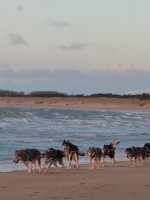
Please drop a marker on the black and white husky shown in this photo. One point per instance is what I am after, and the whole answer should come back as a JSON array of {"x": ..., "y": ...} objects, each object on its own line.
[
  {"x": 147, "y": 149},
  {"x": 28, "y": 156},
  {"x": 94, "y": 156},
  {"x": 136, "y": 154},
  {"x": 71, "y": 152},
  {"x": 52, "y": 156},
  {"x": 108, "y": 150}
]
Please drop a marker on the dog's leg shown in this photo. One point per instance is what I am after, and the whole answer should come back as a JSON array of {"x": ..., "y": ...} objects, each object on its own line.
[
  {"x": 98, "y": 163},
  {"x": 90, "y": 163},
  {"x": 47, "y": 166},
  {"x": 29, "y": 168},
  {"x": 34, "y": 165},
  {"x": 34, "y": 168},
  {"x": 55, "y": 163},
  {"x": 138, "y": 161},
  {"x": 93, "y": 163},
  {"x": 60, "y": 161},
  {"x": 69, "y": 165},
  {"x": 39, "y": 164},
  {"x": 76, "y": 160},
  {"x": 134, "y": 160},
  {"x": 69, "y": 161},
  {"x": 103, "y": 164},
  {"x": 44, "y": 167},
  {"x": 145, "y": 161},
  {"x": 113, "y": 162},
  {"x": 130, "y": 161}
]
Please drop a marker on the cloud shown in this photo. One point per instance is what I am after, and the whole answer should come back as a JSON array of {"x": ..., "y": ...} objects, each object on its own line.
[
  {"x": 16, "y": 39},
  {"x": 121, "y": 67},
  {"x": 74, "y": 46},
  {"x": 56, "y": 23}
]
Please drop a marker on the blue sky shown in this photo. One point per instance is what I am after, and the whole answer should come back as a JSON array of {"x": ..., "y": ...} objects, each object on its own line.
[{"x": 75, "y": 46}]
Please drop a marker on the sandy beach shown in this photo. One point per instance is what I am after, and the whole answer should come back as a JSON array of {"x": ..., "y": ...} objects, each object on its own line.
[
  {"x": 108, "y": 183},
  {"x": 100, "y": 103}
]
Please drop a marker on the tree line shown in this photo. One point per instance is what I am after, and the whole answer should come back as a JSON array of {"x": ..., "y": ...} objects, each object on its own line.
[{"x": 47, "y": 94}]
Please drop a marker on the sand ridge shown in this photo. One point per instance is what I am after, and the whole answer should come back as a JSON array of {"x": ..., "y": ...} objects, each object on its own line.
[{"x": 99, "y": 103}]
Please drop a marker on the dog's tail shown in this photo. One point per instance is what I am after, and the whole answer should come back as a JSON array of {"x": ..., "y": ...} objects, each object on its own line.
[
  {"x": 81, "y": 154},
  {"x": 114, "y": 143}
]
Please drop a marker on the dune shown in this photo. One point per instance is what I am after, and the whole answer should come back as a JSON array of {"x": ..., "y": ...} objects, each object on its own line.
[{"x": 99, "y": 103}]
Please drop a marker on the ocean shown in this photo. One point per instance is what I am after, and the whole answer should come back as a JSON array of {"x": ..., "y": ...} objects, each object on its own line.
[{"x": 42, "y": 128}]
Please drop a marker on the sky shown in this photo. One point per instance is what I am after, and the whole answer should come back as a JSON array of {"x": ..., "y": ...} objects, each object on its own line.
[{"x": 75, "y": 46}]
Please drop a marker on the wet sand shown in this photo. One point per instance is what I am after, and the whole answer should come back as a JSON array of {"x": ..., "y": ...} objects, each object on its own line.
[{"x": 108, "y": 183}]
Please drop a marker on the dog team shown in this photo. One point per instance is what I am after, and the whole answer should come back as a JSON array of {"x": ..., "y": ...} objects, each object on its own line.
[{"x": 71, "y": 152}]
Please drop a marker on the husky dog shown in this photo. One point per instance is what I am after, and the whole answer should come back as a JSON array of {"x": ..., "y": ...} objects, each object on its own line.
[
  {"x": 71, "y": 151},
  {"x": 94, "y": 154},
  {"x": 109, "y": 150},
  {"x": 147, "y": 149},
  {"x": 135, "y": 153},
  {"x": 52, "y": 156},
  {"x": 28, "y": 156}
]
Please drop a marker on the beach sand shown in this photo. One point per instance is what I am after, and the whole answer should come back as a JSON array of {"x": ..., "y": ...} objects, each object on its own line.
[
  {"x": 99, "y": 103},
  {"x": 109, "y": 183}
]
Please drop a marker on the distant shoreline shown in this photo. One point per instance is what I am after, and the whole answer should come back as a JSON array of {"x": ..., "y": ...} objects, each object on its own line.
[{"x": 96, "y": 103}]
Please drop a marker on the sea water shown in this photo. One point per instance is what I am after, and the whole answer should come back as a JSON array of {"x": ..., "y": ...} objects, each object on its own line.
[{"x": 42, "y": 128}]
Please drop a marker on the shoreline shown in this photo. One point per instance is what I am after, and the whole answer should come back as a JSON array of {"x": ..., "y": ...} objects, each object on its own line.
[
  {"x": 20, "y": 167},
  {"x": 122, "y": 182},
  {"x": 85, "y": 165},
  {"x": 94, "y": 103}
]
